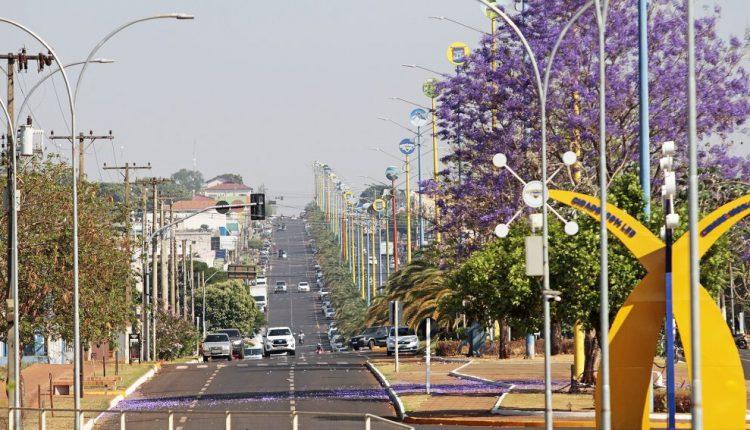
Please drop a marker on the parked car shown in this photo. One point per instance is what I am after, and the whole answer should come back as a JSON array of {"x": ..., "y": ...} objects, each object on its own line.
[
  {"x": 216, "y": 345},
  {"x": 337, "y": 343},
  {"x": 407, "y": 340},
  {"x": 253, "y": 352},
  {"x": 322, "y": 295},
  {"x": 238, "y": 342},
  {"x": 280, "y": 287},
  {"x": 330, "y": 313},
  {"x": 303, "y": 287},
  {"x": 279, "y": 339},
  {"x": 370, "y": 338}
]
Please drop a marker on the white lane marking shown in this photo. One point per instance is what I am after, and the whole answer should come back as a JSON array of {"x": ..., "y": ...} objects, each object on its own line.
[
  {"x": 242, "y": 365},
  {"x": 181, "y": 367},
  {"x": 178, "y": 428},
  {"x": 322, "y": 363},
  {"x": 344, "y": 363},
  {"x": 201, "y": 366},
  {"x": 262, "y": 364},
  {"x": 182, "y": 420}
]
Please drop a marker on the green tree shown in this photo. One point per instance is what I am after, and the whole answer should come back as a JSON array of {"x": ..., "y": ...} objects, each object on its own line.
[
  {"x": 190, "y": 180},
  {"x": 45, "y": 256},
  {"x": 229, "y": 305},
  {"x": 231, "y": 177}
]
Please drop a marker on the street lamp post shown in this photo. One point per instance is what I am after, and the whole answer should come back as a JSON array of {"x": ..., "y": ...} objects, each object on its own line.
[
  {"x": 392, "y": 174},
  {"x": 542, "y": 89},
  {"x": 15, "y": 369}
]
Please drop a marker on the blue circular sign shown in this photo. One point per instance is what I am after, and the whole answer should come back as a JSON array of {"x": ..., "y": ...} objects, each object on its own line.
[
  {"x": 406, "y": 146},
  {"x": 418, "y": 117}
]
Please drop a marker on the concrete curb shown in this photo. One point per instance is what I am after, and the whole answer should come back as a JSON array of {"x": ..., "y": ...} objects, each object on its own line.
[
  {"x": 89, "y": 425},
  {"x": 457, "y": 374},
  {"x": 450, "y": 360},
  {"x": 494, "y": 423},
  {"x": 395, "y": 399}
]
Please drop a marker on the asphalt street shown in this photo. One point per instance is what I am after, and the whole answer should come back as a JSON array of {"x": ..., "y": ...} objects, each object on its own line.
[{"x": 307, "y": 382}]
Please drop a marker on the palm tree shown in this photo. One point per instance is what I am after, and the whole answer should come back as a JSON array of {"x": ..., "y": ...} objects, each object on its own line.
[{"x": 421, "y": 287}]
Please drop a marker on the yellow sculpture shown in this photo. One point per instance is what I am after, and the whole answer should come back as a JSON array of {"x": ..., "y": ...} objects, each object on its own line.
[{"x": 636, "y": 327}]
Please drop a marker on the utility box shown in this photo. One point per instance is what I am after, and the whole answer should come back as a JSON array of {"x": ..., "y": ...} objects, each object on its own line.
[{"x": 534, "y": 256}]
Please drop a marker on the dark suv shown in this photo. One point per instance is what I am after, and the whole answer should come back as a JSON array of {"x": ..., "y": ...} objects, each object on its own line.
[
  {"x": 238, "y": 341},
  {"x": 369, "y": 338}
]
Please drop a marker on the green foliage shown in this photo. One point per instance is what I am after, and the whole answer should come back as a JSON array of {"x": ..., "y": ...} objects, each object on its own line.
[
  {"x": 45, "y": 256},
  {"x": 190, "y": 180},
  {"x": 231, "y": 177},
  {"x": 176, "y": 337},
  {"x": 229, "y": 305},
  {"x": 255, "y": 243},
  {"x": 346, "y": 299},
  {"x": 211, "y": 274}
]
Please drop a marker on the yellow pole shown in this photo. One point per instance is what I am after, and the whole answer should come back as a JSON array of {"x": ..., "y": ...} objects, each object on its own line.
[
  {"x": 373, "y": 261},
  {"x": 408, "y": 211},
  {"x": 578, "y": 347},
  {"x": 352, "y": 254},
  {"x": 361, "y": 259},
  {"x": 435, "y": 167}
]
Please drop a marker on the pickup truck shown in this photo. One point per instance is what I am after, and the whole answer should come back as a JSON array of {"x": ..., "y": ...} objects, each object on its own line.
[
  {"x": 238, "y": 341},
  {"x": 216, "y": 345}
]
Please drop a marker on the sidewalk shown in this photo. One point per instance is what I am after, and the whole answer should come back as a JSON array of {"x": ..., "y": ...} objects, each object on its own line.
[
  {"x": 492, "y": 392},
  {"x": 37, "y": 375}
]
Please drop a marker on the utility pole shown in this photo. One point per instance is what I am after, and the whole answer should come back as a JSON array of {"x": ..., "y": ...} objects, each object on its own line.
[
  {"x": 184, "y": 279},
  {"x": 163, "y": 263},
  {"x": 172, "y": 266},
  {"x": 13, "y": 385},
  {"x": 150, "y": 293},
  {"x": 192, "y": 285},
  {"x": 82, "y": 138},
  {"x": 144, "y": 275},
  {"x": 126, "y": 176}
]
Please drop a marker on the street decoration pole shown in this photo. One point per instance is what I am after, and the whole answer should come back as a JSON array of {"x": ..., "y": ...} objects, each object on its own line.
[
  {"x": 645, "y": 144},
  {"x": 693, "y": 211},
  {"x": 392, "y": 174},
  {"x": 542, "y": 89}
]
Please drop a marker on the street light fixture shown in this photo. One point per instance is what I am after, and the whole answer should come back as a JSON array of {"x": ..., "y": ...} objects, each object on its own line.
[
  {"x": 426, "y": 69},
  {"x": 467, "y": 26}
]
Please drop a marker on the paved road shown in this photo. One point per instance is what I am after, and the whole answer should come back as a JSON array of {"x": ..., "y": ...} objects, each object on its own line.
[{"x": 306, "y": 382}]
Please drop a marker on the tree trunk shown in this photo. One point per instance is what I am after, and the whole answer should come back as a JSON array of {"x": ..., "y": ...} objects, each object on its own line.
[
  {"x": 504, "y": 339},
  {"x": 591, "y": 347},
  {"x": 557, "y": 338}
]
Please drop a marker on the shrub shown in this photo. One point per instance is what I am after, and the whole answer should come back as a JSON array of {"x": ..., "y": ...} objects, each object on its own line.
[
  {"x": 448, "y": 348},
  {"x": 175, "y": 336},
  {"x": 682, "y": 400}
]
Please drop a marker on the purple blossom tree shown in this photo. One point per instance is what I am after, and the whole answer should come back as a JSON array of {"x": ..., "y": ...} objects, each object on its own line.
[{"x": 491, "y": 106}]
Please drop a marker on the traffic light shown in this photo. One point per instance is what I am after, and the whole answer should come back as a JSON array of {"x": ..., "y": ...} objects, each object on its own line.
[{"x": 258, "y": 208}]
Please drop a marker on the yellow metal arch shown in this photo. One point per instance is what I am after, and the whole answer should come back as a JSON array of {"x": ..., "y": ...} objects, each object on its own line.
[{"x": 636, "y": 327}]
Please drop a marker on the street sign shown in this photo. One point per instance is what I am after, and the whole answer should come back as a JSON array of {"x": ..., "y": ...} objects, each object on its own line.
[
  {"x": 406, "y": 146},
  {"x": 378, "y": 205},
  {"x": 418, "y": 117},
  {"x": 457, "y": 53},
  {"x": 429, "y": 88},
  {"x": 241, "y": 271}
]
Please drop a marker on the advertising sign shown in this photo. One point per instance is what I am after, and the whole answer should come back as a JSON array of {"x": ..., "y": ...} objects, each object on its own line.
[
  {"x": 228, "y": 242},
  {"x": 429, "y": 88},
  {"x": 418, "y": 117},
  {"x": 406, "y": 146},
  {"x": 457, "y": 53}
]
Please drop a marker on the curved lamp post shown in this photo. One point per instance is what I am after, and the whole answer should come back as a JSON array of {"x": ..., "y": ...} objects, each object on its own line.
[
  {"x": 14, "y": 252},
  {"x": 542, "y": 87},
  {"x": 52, "y": 73}
]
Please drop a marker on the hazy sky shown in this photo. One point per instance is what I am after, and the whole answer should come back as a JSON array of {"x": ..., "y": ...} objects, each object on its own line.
[{"x": 261, "y": 88}]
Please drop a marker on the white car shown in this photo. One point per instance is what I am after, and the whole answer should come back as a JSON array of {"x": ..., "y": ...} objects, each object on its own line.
[
  {"x": 280, "y": 287},
  {"x": 303, "y": 287},
  {"x": 407, "y": 341},
  {"x": 279, "y": 339}
]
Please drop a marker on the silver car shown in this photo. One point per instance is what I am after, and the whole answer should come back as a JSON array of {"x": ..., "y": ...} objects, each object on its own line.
[{"x": 216, "y": 345}]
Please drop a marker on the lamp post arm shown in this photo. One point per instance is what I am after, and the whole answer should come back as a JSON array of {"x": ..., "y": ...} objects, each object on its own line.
[
  {"x": 206, "y": 209},
  {"x": 560, "y": 38},
  {"x": 44, "y": 79},
  {"x": 112, "y": 34}
]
